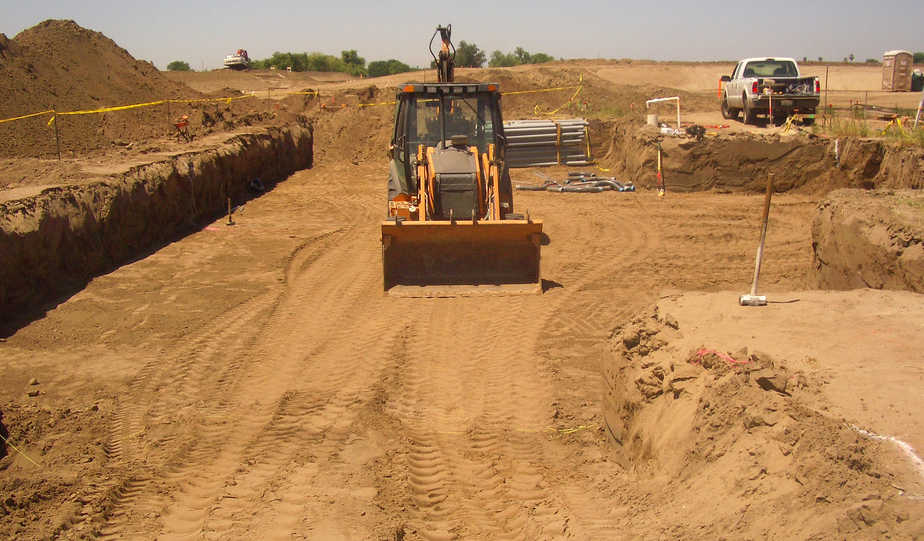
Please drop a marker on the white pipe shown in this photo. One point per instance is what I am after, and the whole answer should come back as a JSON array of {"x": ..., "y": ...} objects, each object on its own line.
[
  {"x": 917, "y": 116},
  {"x": 657, "y": 100}
]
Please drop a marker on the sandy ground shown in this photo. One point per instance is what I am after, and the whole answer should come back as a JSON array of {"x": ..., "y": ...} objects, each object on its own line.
[
  {"x": 874, "y": 383},
  {"x": 252, "y": 381}
]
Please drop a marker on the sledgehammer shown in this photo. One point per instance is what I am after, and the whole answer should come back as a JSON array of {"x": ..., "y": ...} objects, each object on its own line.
[{"x": 753, "y": 299}]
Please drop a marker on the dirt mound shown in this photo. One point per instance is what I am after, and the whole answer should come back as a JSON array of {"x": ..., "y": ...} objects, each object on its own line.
[
  {"x": 58, "y": 64},
  {"x": 869, "y": 239},
  {"x": 748, "y": 429}
]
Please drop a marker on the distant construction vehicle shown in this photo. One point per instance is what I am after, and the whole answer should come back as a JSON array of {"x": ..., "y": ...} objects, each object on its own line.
[
  {"x": 451, "y": 227},
  {"x": 237, "y": 61}
]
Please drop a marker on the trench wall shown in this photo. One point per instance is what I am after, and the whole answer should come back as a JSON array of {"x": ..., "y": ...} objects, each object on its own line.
[
  {"x": 51, "y": 244},
  {"x": 871, "y": 239},
  {"x": 741, "y": 162}
]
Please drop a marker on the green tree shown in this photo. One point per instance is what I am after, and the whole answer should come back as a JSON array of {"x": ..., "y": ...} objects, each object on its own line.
[
  {"x": 918, "y": 57},
  {"x": 501, "y": 60},
  {"x": 872, "y": 61},
  {"x": 522, "y": 55},
  {"x": 348, "y": 62},
  {"x": 517, "y": 57},
  {"x": 468, "y": 55},
  {"x": 379, "y": 68},
  {"x": 851, "y": 57},
  {"x": 178, "y": 65},
  {"x": 355, "y": 64}
]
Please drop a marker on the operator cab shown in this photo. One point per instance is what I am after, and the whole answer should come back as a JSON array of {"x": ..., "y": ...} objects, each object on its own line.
[{"x": 436, "y": 114}]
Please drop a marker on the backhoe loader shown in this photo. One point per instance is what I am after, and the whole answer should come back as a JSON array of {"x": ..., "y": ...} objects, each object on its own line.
[{"x": 451, "y": 227}]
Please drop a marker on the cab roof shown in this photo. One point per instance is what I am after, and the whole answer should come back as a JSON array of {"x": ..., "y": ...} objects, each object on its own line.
[{"x": 448, "y": 88}]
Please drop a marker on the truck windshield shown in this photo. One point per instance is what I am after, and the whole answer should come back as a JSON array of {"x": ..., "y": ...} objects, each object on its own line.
[{"x": 771, "y": 68}]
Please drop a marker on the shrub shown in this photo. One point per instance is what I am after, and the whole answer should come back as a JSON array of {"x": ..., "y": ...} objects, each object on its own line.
[
  {"x": 517, "y": 57},
  {"x": 379, "y": 68}
]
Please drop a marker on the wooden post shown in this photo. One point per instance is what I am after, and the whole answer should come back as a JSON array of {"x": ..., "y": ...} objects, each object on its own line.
[
  {"x": 230, "y": 221},
  {"x": 825, "y": 120},
  {"x": 57, "y": 137}
]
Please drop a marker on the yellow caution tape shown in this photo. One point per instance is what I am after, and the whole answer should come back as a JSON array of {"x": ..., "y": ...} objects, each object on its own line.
[
  {"x": 571, "y": 430},
  {"x": 203, "y": 100},
  {"x": 117, "y": 108},
  {"x": 229, "y": 99},
  {"x": 6, "y": 441},
  {"x": 556, "y": 89},
  {"x": 580, "y": 87},
  {"x": 48, "y": 112},
  {"x": 375, "y": 104}
]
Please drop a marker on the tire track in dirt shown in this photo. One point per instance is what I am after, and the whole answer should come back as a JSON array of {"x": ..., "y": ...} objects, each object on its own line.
[
  {"x": 569, "y": 335},
  {"x": 339, "y": 380},
  {"x": 474, "y": 404},
  {"x": 341, "y": 359},
  {"x": 159, "y": 395},
  {"x": 203, "y": 385},
  {"x": 193, "y": 385}
]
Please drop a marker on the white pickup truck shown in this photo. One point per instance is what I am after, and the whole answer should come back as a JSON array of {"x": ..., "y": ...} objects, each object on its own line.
[{"x": 769, "y": 86}]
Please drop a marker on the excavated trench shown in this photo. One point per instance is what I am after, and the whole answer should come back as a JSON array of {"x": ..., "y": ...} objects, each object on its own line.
[
  {"x": 53, "y": 243},
  {"x": 740, "y": 162},
  {"x": 868, "y": 231}
]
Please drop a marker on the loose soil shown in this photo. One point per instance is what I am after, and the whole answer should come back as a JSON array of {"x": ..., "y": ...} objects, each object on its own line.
[
  {"x": 870, "y": 239},
  {"x": 252, "y": 381}
]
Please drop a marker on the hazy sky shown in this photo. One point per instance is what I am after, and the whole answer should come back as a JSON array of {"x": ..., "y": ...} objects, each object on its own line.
[{"x": 203, "y": 32}]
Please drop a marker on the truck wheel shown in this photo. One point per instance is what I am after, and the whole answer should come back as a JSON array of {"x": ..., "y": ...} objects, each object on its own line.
[
  {"x": 749, "y": 115},
  {"x": 728, "y": 112}
]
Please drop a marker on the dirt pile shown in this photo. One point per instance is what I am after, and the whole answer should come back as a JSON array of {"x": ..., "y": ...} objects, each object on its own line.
[
  {"x": 58, "y": 64},
  {"x": 869, "y": 239},
  {"x": 742, "y": 427}
]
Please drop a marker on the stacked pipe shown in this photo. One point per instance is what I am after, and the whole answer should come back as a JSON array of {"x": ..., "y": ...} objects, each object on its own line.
[
  {"x": 579, "y": 182},
  {"x": 533, "y": 143}
]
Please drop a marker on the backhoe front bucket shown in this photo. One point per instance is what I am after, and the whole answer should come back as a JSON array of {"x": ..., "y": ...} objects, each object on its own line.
[{"x": 461, "y": 258}]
